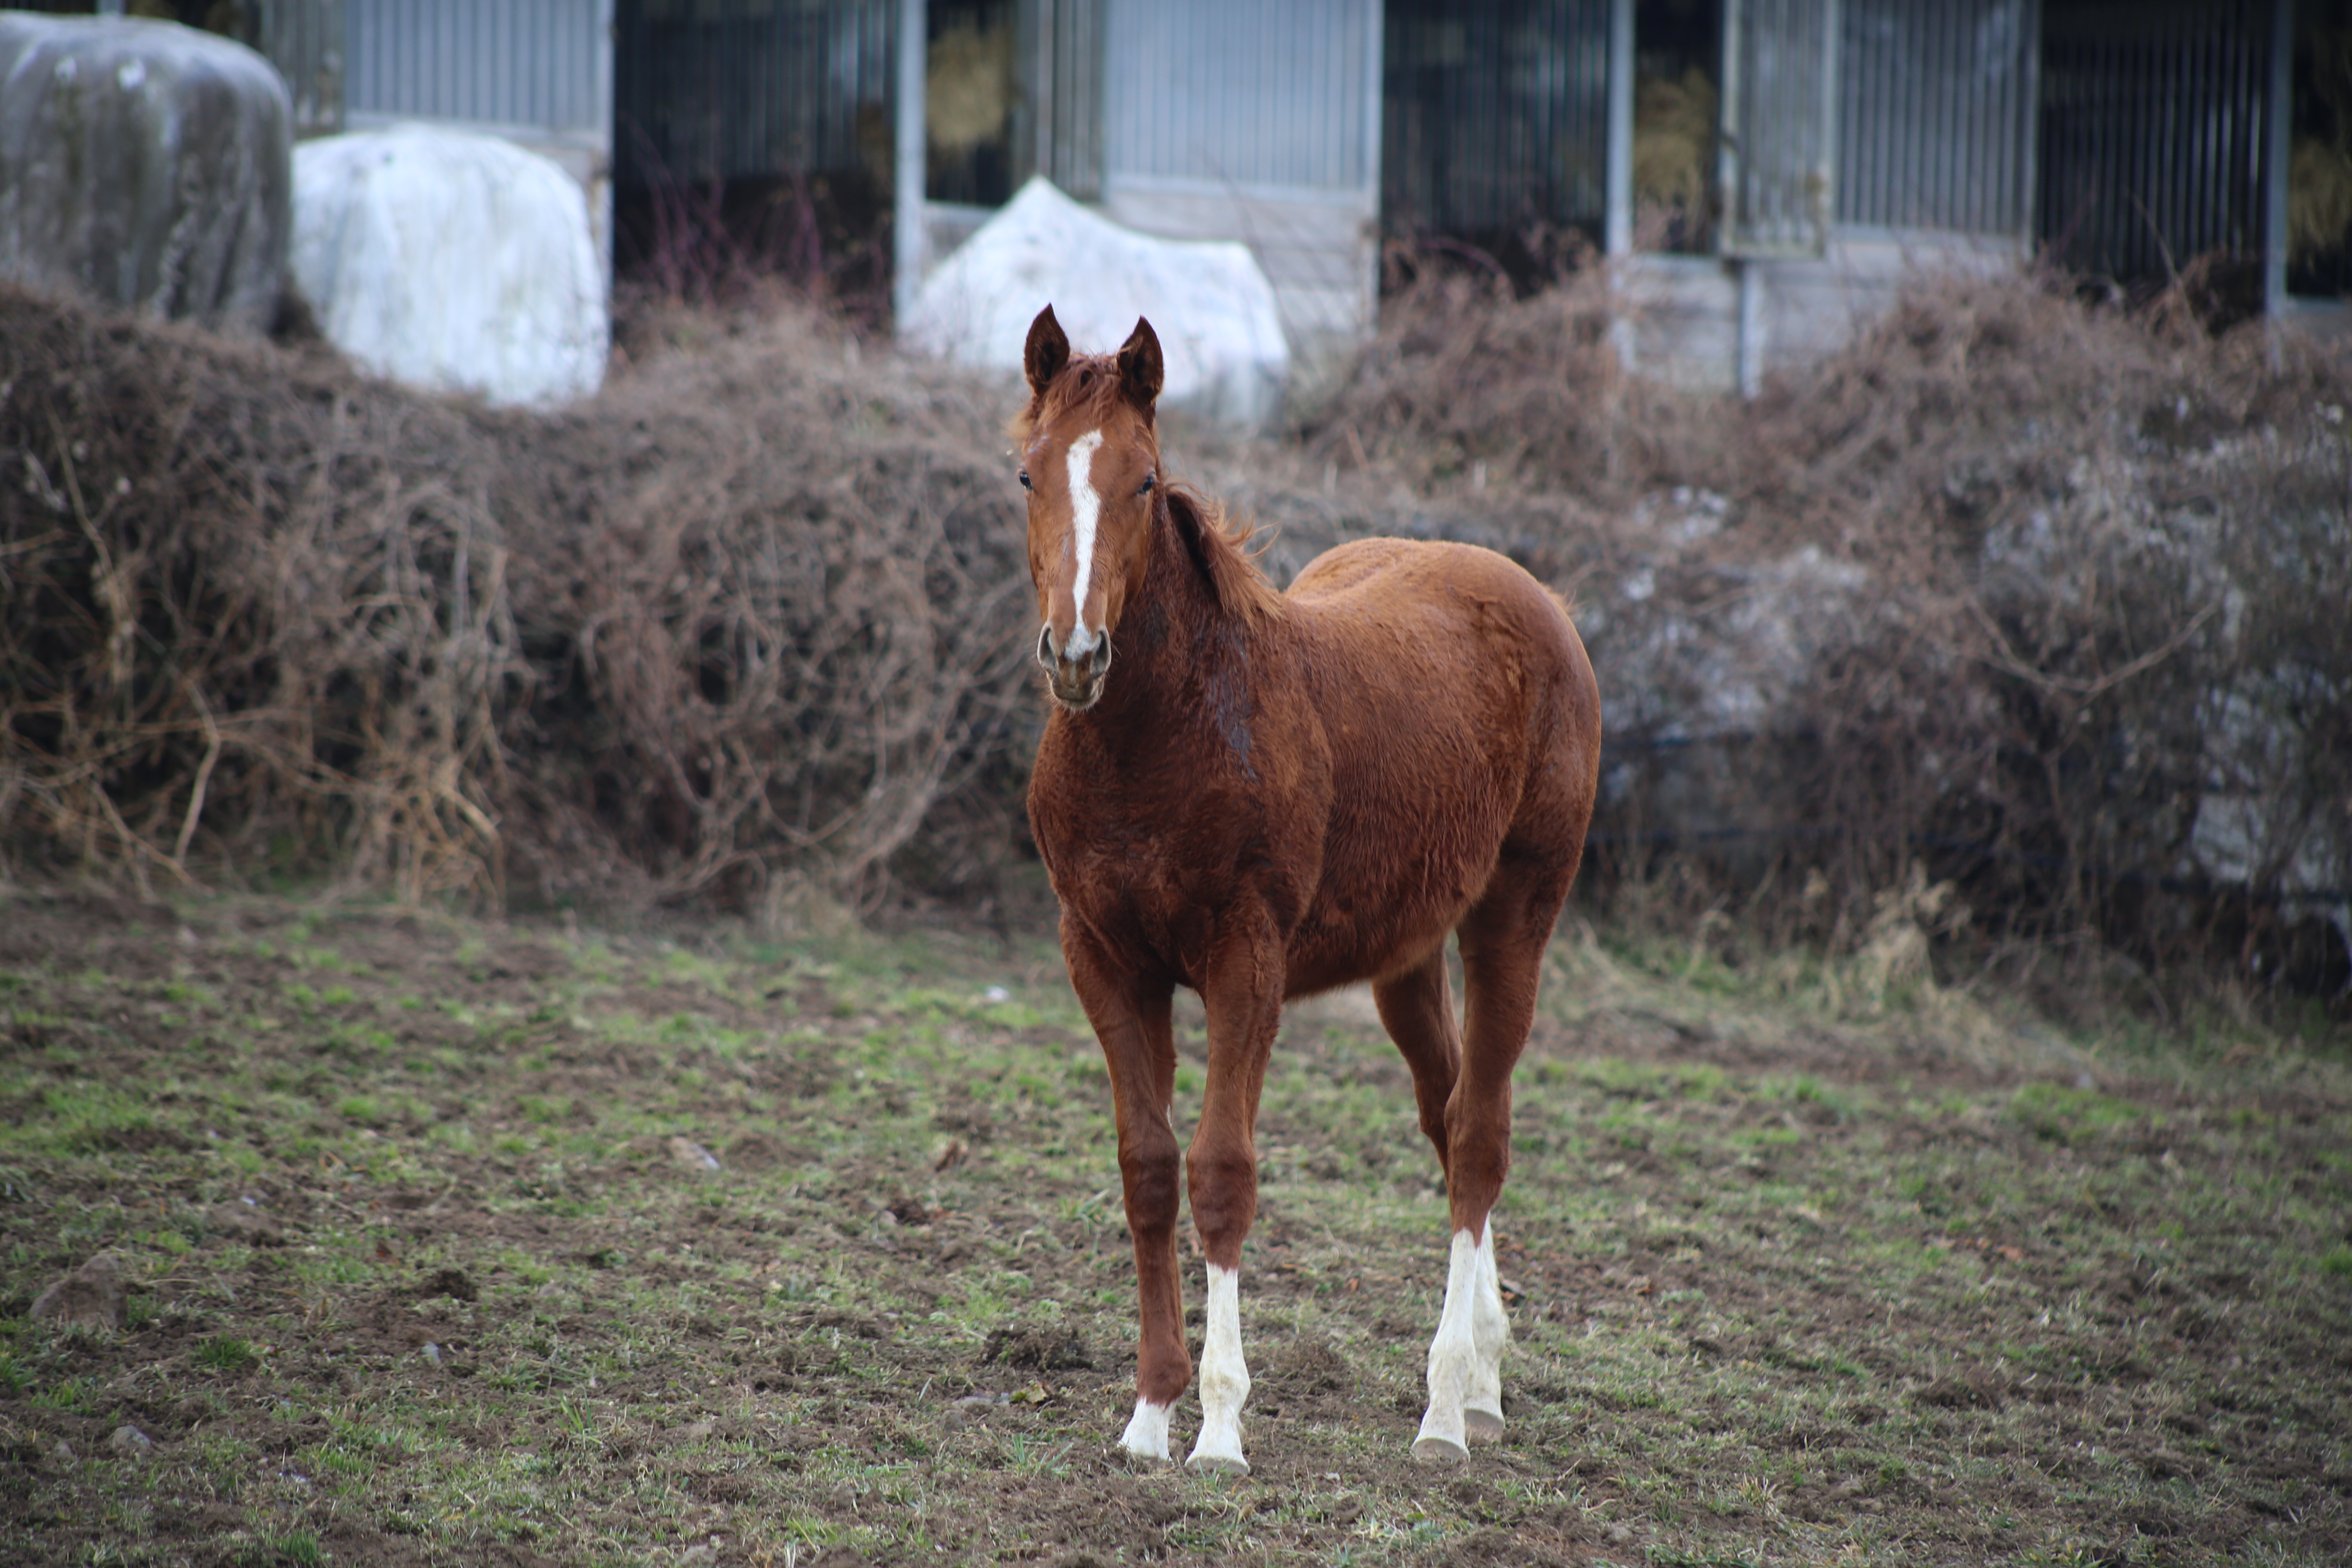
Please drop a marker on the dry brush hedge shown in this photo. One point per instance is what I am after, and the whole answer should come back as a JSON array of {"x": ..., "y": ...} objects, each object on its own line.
[
  {"x": 2052, "y": 599},
  {"x": 755, "y": 610},
  {"x": 2057, "y": 599}
]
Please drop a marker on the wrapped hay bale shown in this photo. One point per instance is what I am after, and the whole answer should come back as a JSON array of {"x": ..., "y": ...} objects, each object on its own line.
[
  {"x": 145, "y": 164},
  {"x": 1210, "y": 303},
  {"x": 451, "y": 261}
]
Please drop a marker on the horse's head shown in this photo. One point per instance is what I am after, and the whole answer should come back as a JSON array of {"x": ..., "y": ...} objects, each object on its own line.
[{"x": 1090, "y": 461}]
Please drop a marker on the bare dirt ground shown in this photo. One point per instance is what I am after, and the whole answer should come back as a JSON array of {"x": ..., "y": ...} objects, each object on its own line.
[{"x": 439, "y": 1241}]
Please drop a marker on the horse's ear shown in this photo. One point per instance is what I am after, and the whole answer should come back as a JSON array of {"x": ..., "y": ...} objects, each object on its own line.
[
  {"x": 1047, "y": 353},
  {"x": 1138, "y": 365}
]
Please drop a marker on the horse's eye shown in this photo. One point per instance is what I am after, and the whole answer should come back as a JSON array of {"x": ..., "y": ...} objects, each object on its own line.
[
  {"x": 1145, "y": 488},
  {"x": 1024, "y": 479}
]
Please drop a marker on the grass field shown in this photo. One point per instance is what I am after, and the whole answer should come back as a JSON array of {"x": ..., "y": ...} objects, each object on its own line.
[{"x": 439, "y": 1241}]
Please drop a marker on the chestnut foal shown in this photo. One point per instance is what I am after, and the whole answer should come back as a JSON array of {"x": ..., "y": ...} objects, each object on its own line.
[{"x": 1263, "y": 795}]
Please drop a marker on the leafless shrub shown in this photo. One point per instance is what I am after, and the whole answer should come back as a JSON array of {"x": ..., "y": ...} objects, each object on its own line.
[
  {"x": 2115, "y": 693},
  {"x": 1466, "y": 379},
  {"x": 791, "y": 589},
  {"x": 243, "y": 590},
  {"x": 753, "y": 609},
  {"x": 2048, "y": 597}
]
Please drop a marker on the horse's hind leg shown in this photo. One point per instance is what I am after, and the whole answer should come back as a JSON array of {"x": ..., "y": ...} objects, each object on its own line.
[
  {"x": 1418, "y": 1012},
  {"x": 1503, "y": 939},
  {"x": 1419, "y": 1015}
]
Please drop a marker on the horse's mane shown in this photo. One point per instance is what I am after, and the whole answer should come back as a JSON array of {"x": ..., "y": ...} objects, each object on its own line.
[{"x": 1218, "y": 543}]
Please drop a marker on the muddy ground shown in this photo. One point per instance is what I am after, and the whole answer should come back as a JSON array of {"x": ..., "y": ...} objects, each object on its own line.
[{"x": 440, "y": 1241}]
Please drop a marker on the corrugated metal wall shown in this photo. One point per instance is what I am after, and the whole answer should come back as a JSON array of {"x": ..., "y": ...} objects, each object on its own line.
[
  {"x": 2152, "y": 132},
  {"x": 1779, "y": 97},
  {"x": 1494, "y": 115},
  {"x": 517, "y": 62},
  {"x": 1239, "y": 92},
  {"x": 304, "y": 39},
  {"x": 1061, "y": 117},
  {"x": 751, "y": 88},
  {"x": 1937, "y": 109}
]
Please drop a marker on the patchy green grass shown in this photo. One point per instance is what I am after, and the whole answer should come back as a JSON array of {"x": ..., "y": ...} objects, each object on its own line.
[{"x": 449, "y": 1242}]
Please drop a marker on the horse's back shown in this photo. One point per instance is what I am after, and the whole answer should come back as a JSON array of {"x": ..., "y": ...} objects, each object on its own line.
[
  {"x": 1466, "y": 624},
  {"x": 1418, "y": 585}
]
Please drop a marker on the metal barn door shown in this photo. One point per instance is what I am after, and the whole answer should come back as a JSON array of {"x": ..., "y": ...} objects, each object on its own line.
[
  {"x": 1779, "y": 126},
  {"x": 1061, "y": 86}
]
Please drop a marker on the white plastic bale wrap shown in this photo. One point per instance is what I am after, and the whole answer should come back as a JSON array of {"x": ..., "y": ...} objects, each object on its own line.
[
  {"x": 1209, "y": 301},
  {"x": 451, "y": 261},
  {"x": 145, "y": 164}
]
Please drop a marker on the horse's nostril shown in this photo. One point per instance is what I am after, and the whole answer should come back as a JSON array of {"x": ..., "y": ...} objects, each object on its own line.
[{"x": 1046, "y": 644}]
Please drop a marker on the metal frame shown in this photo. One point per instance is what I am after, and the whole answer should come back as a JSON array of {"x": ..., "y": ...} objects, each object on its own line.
[
  {"x": 2277, "y": 125},
  {"x": 1736, "y": 237},
  {"x": 1617, "y": 223},
  {"x": 909, "y": 226}
]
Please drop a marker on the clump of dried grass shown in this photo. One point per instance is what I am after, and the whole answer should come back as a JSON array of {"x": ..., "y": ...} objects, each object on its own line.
[
  {"x": 1675, "y": 120},
  {"x": 752, "y": 611},
  {"x": 968, "y": 87}
]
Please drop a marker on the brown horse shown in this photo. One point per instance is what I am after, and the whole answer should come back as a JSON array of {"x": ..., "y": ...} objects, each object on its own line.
[{"x": 1264, "y": 795}]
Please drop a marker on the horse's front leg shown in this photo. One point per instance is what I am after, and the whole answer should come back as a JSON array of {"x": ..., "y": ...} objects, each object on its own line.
[
  {"x": 1242, "y": 996},
  {"x": 1131, "y": 1020}
]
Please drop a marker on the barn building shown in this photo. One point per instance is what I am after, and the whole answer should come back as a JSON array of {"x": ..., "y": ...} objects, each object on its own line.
[
  {"x": 1765, "y": 172},
  {"x": 1769, "y": 171}
]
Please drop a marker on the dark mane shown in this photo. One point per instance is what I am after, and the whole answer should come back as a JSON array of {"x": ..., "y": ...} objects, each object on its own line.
[{"x": 1219, "y": 545}]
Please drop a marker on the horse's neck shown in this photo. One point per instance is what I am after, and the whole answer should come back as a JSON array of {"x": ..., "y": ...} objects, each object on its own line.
[{"x": 1180, "y": 653}]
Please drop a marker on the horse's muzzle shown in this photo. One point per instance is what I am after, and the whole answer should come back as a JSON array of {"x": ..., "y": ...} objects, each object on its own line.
[{"x": 1077, "y": 682}]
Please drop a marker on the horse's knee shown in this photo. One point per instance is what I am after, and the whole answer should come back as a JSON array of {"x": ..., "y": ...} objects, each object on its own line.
[
  {"x": 1482, "y": 1164},
  {"x": 1149, "y": 1173},
  {"x": 1224, "y": 1202}
]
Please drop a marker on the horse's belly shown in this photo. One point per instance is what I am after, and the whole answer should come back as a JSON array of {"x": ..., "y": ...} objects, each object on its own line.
[
  {"x": 1371, "y": 919},
  {"x": 1329, "y": 956}
]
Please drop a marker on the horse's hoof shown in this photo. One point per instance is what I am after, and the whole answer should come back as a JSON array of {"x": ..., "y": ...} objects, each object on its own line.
[
  {"x": 1146, "y": 1438},
  {"x": 1217, "y": 1464},
  {"x": 1439, "y": 1452},
  {"x": 1482, "y": 1425}
]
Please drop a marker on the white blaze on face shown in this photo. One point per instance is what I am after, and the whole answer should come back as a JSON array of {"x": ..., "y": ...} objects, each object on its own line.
[{"x": 1086, "y": 513}]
